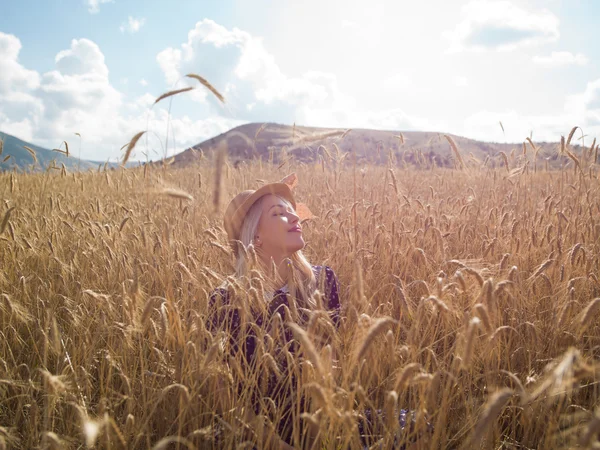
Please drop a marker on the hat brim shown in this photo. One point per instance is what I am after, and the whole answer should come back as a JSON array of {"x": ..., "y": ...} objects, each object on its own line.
[{"x": 279, "y": 189}]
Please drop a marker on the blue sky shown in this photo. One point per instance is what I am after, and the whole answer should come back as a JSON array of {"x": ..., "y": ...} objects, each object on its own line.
[{"x": 95, "y": 67}]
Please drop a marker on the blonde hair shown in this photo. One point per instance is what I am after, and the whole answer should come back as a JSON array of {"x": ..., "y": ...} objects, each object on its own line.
[{"x": 301, "y": 278}]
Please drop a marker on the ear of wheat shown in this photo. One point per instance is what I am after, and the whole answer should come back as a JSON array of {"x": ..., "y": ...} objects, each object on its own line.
[
  {"x": 131, "y": 146},
  {"x": 172, "y": 93},
  {"x": 455, "y": 150},
  {"x": 207, "y": 85}
]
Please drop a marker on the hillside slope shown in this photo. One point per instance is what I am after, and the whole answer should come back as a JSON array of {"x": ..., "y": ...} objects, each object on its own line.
[
  {"x": 277, "y": 142},
  {"x": 21, "y": 159}
]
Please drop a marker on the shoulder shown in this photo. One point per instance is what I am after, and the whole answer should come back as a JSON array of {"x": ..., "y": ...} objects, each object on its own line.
[
  {"x": 220, "y": 293},
  {"x": 324, "y": 271}
]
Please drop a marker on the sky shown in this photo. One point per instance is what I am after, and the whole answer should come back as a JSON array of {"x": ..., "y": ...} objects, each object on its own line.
[{"x": 95, "y": 67}]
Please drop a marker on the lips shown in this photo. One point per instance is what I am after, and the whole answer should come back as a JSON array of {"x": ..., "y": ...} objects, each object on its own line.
[{"x": 296, "y": 229}]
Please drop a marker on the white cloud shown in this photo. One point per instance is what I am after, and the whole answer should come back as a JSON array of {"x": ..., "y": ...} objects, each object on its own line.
[
  {"x": 397, "y": 82},
  {"x": 132, "y": 25},
  {"x": 561, "y": 59},
  {"x": 144, "y": 101},
  {"x": 23, "y": 129},
  {"x": 83, "y": 58},
  {"x": 501, "y": 25},
  {"x": 461, "y": 81},
  {"x": 18, "y": 105},
  {"x": 77, "y": 96},
  {"x": 94, "y": 5},
  {"x": 485, "y": 125},
  {"x": 256, "y": 89},
  {"x": 238, "y": 65},
  {"x": 143, "y": 82},
  {"x": 582, "y": 109},
  {"x": 348, "y": 24},
  {"x": 13, "y": 76}
]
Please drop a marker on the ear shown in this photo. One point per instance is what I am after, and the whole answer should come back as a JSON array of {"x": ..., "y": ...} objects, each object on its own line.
[{"x": 291, "y": 180}]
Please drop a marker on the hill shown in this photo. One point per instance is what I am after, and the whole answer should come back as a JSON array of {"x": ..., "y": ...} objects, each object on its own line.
[
  {"x": 278, "y": 142},
  {"x": 14, "y": 155}
]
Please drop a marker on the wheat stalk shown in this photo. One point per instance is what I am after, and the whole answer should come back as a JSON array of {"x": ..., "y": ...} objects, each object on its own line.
[
  {"x": 172, "y": 93},
  {"x": 131, "y": 146},
  {"x": 377, "y": 328},
  {"x": 455, "y": 150},
  {"x": 490, "y": 413},
  {"x": 32, "y": 153},
  {"x": 207, "y": 85}
]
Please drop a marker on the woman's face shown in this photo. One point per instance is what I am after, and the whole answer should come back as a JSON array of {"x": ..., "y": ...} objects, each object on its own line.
[{"x": 279, "y": 231}]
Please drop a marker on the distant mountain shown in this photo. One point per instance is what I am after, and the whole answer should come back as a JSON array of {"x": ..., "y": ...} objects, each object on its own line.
[
  {"x": 17, "y": 156},
  {"x": 277, "y": 142}
]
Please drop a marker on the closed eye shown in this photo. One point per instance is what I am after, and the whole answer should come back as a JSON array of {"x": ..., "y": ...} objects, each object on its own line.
[{"x": 280, "y": 209}]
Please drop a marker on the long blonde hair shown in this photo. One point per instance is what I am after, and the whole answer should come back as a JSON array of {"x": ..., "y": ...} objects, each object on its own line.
[{"x": 301, "y": 276}]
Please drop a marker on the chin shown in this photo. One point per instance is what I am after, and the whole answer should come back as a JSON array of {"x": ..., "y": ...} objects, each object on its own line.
[{"x": 296, "y": 245}]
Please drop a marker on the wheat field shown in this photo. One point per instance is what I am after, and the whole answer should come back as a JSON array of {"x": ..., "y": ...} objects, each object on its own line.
[{"x": 469, "y": 296}]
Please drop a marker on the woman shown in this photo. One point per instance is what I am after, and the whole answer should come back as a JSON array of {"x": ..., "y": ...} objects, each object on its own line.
[{"x": 265, "y": 231}]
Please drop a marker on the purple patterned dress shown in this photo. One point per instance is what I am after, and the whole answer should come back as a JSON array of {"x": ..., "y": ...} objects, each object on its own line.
[{"x": 280, "y": 388}]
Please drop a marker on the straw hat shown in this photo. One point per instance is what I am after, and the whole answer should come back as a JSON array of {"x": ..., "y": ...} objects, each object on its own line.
[{"x": 241, "y": 204}]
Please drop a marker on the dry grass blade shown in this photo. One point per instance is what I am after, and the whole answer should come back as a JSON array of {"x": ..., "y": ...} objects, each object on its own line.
[
  {"x": 5, "y": 219},
  {"x": 542, "y": 267},
  {"x": 172, "y": 93},
  {"x": 206, "y": 84},
  {"x": 260, "y": 130},
  {"x": 308, "y": 346},
  {"x": 123, "y": 222},
  {"x": 439, "y": 303},
  {"x": 591, "y": 431},
  {"x": 505, "y": 159},
  {"x": 571, "y": 134},
  {"x": 131, "y": 146},
  {"x": 589, "y": 312},
  {"x": 32, "y": 152},
  {"x": 375, "y": 330},
  {"x": 560, "y": 379},
  {"x": 6, "y": 158},
  {"x": 176, "y": 193},
  {"x": 164, "y": 443},
  {"x": 490, "y": 413},
  {"x": 405, "y": 374},
  {"x": 575, "y": 159},
  {"x": 219, "y": 164},
  {"x": 321, "y": 136},
  {"x": 470, "y": 342},
  {"x": 64, "y": 152},
  {"x": 455, "y": 150}
]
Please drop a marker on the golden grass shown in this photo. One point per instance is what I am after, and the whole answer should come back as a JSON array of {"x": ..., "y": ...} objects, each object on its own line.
[
  {"x": 207, "y": 85},
  {"x": 172, "y": 93},
  {"x": 468, "y": 297},
  {"x": 131, "y": 146},
  {"x": 31, "y": 152}
]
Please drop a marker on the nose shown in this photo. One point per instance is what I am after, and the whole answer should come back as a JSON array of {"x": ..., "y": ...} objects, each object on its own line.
[{"x": 293, "y": 217}]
